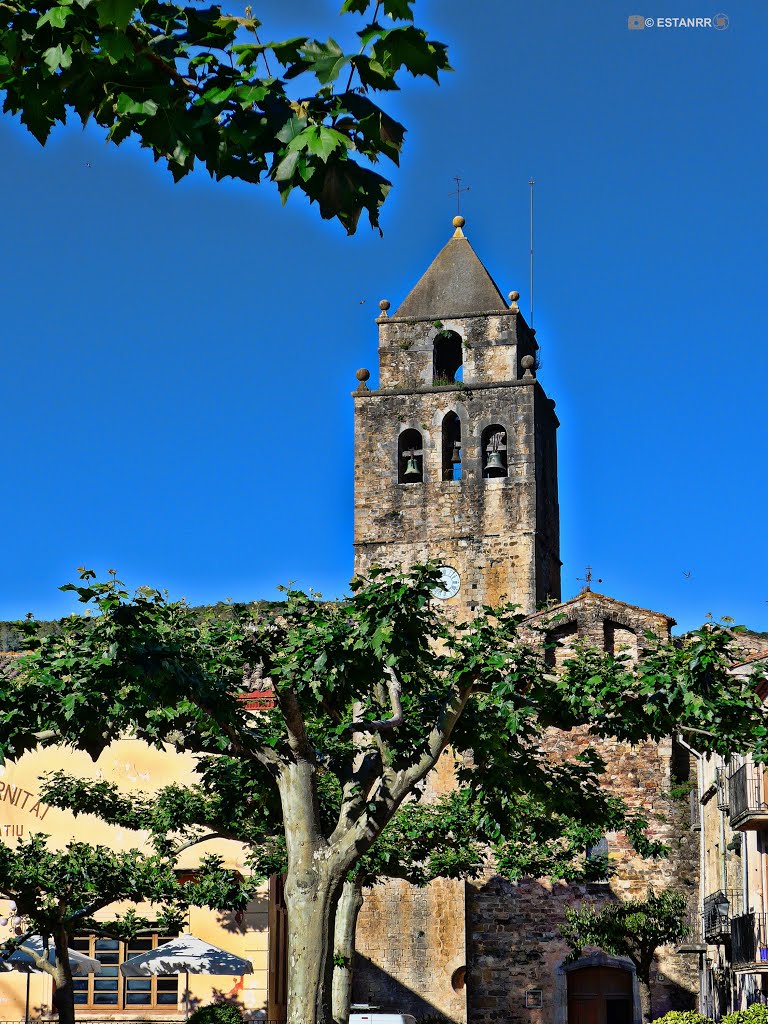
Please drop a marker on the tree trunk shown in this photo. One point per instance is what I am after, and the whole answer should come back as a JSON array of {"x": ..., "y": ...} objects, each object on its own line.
[
  {"x": 63, "y": 993},
  {"x": 311, "y": 912},
  {"x": 350, "y": 902},
  {"x": 645, "y": 999},
  {"x": 312, "y": 889}
]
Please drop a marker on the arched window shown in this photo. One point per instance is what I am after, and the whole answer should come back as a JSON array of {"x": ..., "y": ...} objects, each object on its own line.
[
  {"x": 620, "y": 641},
  {"x": 493, "y": 451},
  {"x": 410, "y": 458},
  {"x": 451, "y": 447},
  {"x": 559, "y": 645},
  {"x": 447, "y": 358}
]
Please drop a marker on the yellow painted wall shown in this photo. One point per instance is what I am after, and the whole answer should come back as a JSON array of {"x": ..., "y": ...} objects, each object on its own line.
[{"x": 136, "y": 768}]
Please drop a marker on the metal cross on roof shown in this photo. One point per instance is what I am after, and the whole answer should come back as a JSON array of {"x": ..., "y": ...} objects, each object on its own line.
[{"x": 457, "y": 192}]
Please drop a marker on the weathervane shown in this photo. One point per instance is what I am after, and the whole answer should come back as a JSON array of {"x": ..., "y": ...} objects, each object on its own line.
[
  {"x": 457, "y": 192},
  {"x": 587, "y": 578}
]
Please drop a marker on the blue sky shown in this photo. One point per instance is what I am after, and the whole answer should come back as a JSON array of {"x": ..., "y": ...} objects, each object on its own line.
[{"x": 177, "y": 359}]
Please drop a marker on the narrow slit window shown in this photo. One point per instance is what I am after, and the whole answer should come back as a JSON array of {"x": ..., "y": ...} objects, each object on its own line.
[{"x": 451, "y": 447}]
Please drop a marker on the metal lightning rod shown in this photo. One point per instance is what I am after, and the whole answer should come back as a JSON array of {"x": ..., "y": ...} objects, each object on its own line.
[{"x": 531, "y": 184}]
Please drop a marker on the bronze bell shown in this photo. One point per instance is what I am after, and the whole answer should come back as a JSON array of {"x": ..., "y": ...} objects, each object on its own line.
[
  {"x": 411, "y": 469},
  {"x": 495, "y": 463},
  {"x": 456, "y": 457}
]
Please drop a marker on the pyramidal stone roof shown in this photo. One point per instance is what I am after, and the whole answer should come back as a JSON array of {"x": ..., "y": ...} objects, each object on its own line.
[{"x": 456, "y": 283}]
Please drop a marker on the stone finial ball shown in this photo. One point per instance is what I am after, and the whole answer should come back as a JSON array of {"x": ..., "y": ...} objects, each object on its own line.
[
  {"x": 363, "y": 374},
  {"x": 527, "y": 362},
  {"x": 384, "y": 304},
  {"x": 514, "y": 296},
  {"x": 459, "y": 222}
]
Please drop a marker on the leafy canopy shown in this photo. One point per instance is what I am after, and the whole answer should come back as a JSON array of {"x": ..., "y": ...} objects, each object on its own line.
[
  {"x": 194, "y": 83},
  {"x": 369, "y": 691},
  {"x": 57, "y": 891},
  {"x": 634, "y": 928}
]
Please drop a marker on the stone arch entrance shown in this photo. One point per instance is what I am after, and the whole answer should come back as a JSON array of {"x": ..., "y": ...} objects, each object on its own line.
[{"x": 597, "y": 989}]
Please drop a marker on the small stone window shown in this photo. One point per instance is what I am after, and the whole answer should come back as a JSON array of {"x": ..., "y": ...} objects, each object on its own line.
[
  {"x": 451, "y": 447},
  {"x": 410, "y": 458},
  {"x": 493, "y": 451},
  {"x": 447, "y": 358}
]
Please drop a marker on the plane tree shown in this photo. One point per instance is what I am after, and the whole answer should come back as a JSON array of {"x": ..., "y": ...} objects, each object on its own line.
[
  {"x": 369, "y": 694},
  {"x": 59, "y": 893},
  {"x": 194, "y": 83},
  {"x": 634, "y": 928}
]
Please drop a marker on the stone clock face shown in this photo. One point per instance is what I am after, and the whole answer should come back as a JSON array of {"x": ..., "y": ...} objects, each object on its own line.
[{"x": 449, "y": 584}]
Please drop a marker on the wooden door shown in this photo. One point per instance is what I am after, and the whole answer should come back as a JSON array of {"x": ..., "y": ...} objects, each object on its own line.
[{"x": 599, "y": 995}]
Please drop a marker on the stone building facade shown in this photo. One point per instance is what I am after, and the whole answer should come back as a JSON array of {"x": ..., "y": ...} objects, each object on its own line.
[{"x": 456, "y": 461}]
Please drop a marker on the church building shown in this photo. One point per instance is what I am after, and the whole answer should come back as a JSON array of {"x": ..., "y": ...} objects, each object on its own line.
[{"x": 456, "y": 461}]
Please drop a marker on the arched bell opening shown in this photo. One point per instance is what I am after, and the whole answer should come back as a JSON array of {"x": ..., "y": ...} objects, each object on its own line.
[
  {"x": 451, "y": 447},
  {"x": 493, "y": 451},
  {"x": 410, "y": 458},
  {"x": 448, "y": 358}
]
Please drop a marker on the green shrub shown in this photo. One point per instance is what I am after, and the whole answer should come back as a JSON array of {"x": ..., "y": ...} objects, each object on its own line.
[
  {"x": 756, "y": 1014},
  {"x": 216, "y": 1013},
  {"x": 682, "y": 1017}
]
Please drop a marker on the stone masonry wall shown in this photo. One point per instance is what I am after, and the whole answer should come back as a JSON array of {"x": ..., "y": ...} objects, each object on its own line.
[
  {"x": 411, "y": 943},
  {"x": 513, "y": 928}
]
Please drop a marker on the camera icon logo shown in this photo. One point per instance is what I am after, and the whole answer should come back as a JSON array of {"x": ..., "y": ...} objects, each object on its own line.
[{"x": 635, "y": 21}]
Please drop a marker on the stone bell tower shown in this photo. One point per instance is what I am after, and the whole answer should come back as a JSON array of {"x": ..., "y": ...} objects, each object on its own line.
[{"x": 455, "y": 453}]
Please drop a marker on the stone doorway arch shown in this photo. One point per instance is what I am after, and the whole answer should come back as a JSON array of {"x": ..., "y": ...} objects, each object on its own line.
[{"x": 602, "y": 990}]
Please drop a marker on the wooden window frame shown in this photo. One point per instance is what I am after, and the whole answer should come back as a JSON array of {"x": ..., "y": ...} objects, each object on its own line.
[{"x": 125, "y": 950}]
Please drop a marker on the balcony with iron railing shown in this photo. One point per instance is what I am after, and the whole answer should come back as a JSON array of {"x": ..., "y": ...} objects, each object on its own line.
[
  {"x": 749, "y": 809},
  {"x": 749, "y": 942},
  {"x": 719, "y": 909},
  {"x": 693, "y": 941}
]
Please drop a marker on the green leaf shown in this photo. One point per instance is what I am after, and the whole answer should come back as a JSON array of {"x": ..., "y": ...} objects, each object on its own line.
[
  {"x": 323, "y": 141},
  {"x": 218, "y": 93},
  {"x": 399, "y": 9},
  {"x": 355, "y": 6},
  {"x": 291, "y": 129},
  {"x": 126, "y": 105},
  {"x": 409, "y": 47},
  {"x": 116, "y": 46},
  {"x": 55, "y": 17},
  {"x": 325, "y": 60},
  {"x": 56, "y": 57},
  {"x": 116, "y": 12},
  {"x": 286, "y": 167},
  {"x": 288, "y": 51}
]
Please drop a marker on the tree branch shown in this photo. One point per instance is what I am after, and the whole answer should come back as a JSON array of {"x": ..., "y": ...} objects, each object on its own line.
[
  {"x": 42, "y": 963},
  {"x": 298, "y": 740},
  {"x": 394, "y": 689}
]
